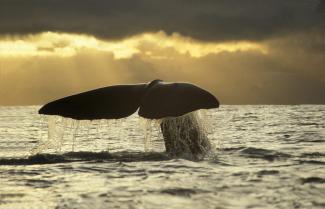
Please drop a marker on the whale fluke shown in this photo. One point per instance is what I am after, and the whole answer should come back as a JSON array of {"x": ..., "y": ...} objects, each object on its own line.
[{"x": 157, "y": 99}]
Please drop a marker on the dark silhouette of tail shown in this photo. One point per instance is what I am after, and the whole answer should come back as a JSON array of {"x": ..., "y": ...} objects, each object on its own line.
[{"x": 155, "y": 100}]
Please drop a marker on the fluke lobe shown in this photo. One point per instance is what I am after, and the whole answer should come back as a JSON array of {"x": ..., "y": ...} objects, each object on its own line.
[{"x": 155, "y": 100}]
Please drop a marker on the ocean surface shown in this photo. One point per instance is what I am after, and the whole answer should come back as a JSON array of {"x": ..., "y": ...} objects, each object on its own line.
[{"x": 263, "y": 157}]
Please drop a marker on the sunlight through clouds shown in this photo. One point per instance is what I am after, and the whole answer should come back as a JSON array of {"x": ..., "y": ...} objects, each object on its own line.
[{"x": 67, "y": 45}]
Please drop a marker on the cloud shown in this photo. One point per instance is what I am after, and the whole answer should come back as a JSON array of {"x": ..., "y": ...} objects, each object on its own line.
[
  {"x": 291, "y": 72},
  {"x": 252, "y": 51},
  {"x": 217, "y": 20},
  {"x": 67, "y": 45}
]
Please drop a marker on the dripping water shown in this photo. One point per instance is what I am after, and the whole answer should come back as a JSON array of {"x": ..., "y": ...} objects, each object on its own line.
[
  {"x": 187, "y": 136},
  {"x": 65, "y": 134}
]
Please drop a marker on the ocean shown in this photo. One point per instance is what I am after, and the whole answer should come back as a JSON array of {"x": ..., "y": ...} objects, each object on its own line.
[{"x": 264, "y": 156}]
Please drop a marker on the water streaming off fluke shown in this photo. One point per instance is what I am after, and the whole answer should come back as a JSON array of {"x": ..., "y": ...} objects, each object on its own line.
[{"x": 184, "y": 136}]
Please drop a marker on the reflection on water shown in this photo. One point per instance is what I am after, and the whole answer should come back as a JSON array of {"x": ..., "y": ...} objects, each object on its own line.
[{"x": 265, "y": 157}]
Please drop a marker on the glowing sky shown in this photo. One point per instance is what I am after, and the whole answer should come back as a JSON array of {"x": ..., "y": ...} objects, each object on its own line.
[
  {"x": 68, "y": 45},
  {"x": 243, "y": 52}
]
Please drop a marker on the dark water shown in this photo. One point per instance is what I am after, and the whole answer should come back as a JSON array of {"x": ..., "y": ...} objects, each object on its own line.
[{"x": 264, "y": 157}]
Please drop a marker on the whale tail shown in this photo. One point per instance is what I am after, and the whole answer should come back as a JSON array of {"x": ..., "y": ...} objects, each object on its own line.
[{"x": 155, "y": 100}]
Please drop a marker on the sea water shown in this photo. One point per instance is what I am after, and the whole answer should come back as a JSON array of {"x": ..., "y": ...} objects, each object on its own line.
[{"x": 264, "y": 157}]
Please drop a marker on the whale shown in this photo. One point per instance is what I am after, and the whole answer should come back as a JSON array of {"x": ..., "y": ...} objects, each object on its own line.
[{"x": 171, "y": 102}]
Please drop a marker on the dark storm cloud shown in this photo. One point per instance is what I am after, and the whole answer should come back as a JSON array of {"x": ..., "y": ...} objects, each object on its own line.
[{"x": 205, "y": 20}]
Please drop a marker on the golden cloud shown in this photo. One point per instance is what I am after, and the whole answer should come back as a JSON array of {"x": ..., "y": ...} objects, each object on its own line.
[{"x": 67, "y": 45}]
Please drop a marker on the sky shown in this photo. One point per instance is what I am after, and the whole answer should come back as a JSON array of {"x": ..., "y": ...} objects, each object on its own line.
[{"x": 244, "y": 52}]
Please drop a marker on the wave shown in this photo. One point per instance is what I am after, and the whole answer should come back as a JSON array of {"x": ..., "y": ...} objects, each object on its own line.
[
  {"x": 266, "y": 154},
  {"x": 313, "y": 154},
  {"x": 133, "y": 156},
  {"x": 314, "y": 180},
  {"x": 313, "y": 162},
  {"x": 85, "y": 156},
  {"x": 184, "y": 192}
]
